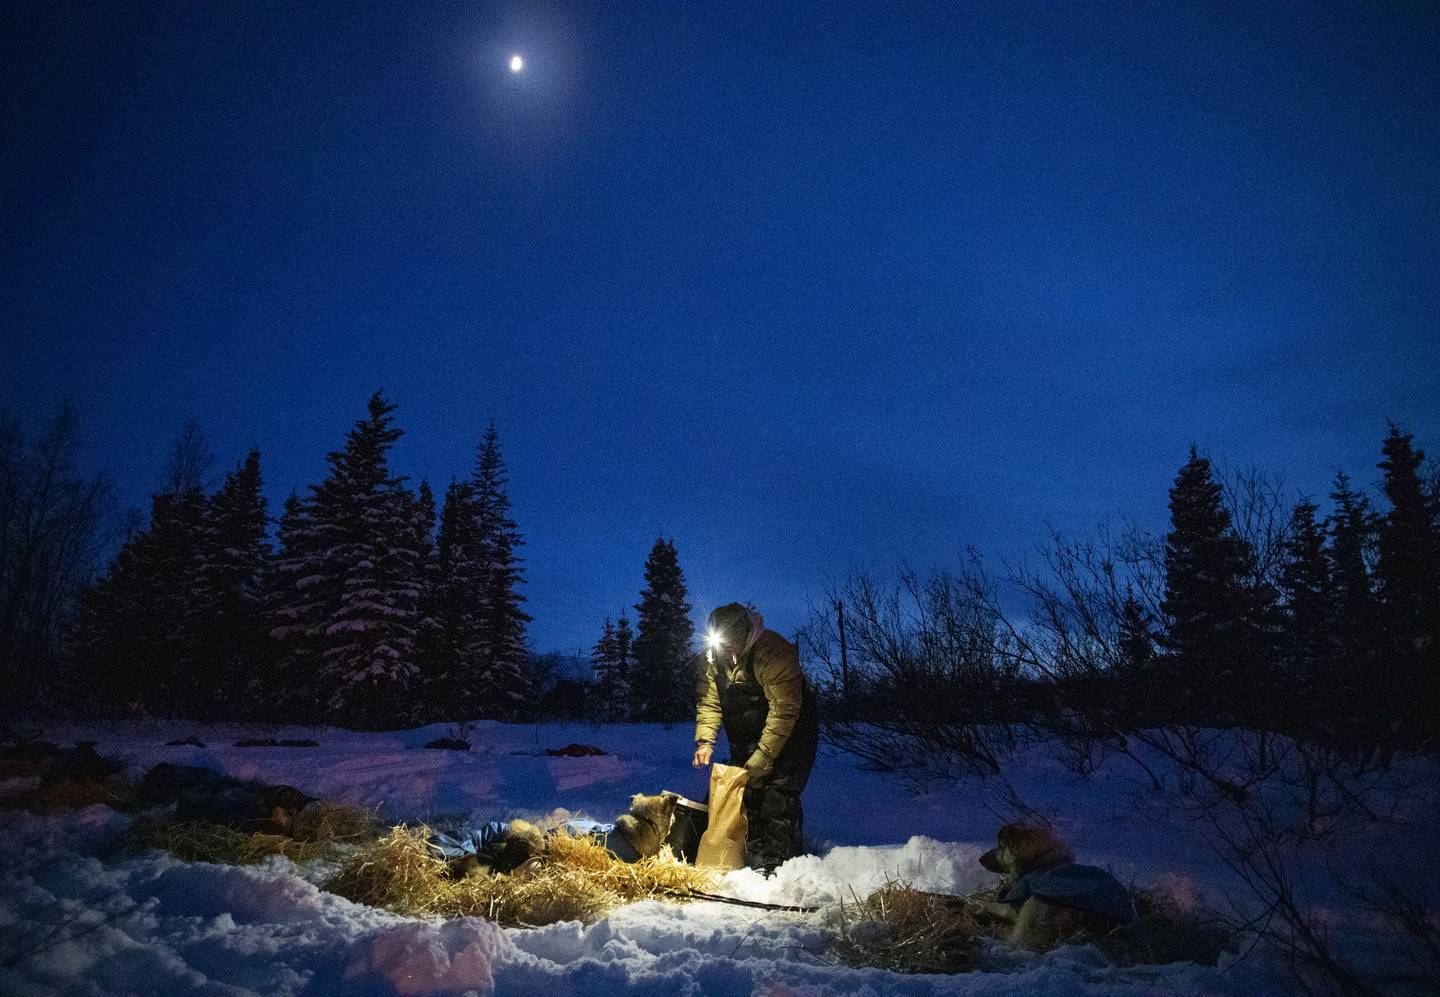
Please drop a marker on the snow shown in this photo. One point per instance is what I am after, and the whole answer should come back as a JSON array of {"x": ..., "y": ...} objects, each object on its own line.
[{"x": 79, "y": 917}]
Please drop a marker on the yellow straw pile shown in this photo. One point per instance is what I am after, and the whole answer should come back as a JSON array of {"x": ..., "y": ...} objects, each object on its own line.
[
  {"x": 321, "y": 831},
  {"x": 577, "y": 880},
  {"x": 906, "y": 930}
]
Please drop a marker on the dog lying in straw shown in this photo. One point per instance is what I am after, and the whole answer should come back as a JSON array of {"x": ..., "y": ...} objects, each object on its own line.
[
  {"x": 207, "y": 797},
  {"x": 515, "y": 847},
  {"x": 1047, "y": 896}
]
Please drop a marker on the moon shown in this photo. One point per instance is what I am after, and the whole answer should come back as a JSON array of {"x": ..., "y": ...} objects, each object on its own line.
[{"x": 516, "y": 63}]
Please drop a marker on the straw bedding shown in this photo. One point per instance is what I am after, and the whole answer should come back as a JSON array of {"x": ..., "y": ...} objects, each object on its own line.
[
  {"x": 322, "y": 831},
  {"x": 578, "y": 880},
  {"x": 906, "y": 930}
]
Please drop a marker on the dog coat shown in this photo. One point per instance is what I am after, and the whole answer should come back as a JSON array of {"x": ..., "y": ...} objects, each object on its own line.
[
  {"x": 1070, "y": 884},
  {"x": 467, "y": 840}
]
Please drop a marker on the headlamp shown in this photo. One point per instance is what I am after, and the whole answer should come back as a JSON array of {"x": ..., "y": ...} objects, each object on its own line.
[{"x": 713, "y": 639}]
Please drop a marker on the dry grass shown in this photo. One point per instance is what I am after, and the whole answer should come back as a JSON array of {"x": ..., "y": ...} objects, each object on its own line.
[
  {"x": 906, "y": 930},
  {"x": 909, "y": 931},
  {"x": 72, "y": 794},
  {"x": 341, "y": 823},
  {"x": 1162, "y": 932},
  {"x": 578, "y": 880},
  {"x": 322, "y": 831}
]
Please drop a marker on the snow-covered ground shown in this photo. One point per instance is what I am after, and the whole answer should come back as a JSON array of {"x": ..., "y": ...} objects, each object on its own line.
[{"x": 74, "y": 918}]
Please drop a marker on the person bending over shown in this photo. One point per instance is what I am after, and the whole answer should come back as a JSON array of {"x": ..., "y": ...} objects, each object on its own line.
[{"x": 750, "y": 683}]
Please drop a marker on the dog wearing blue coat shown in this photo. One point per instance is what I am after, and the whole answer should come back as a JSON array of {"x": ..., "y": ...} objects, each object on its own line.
[{"x": 1046, "y": 896}]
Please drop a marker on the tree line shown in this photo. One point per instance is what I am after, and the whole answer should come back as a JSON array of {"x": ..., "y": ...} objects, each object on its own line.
[
  {"x": 362, "y": 611},
  {"x": 359, "y": 613},
  {"x": 1251, "y": 611}
]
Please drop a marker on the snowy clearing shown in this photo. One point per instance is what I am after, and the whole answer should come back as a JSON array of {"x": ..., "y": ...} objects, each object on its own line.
[{"x": 76, "y": 919}]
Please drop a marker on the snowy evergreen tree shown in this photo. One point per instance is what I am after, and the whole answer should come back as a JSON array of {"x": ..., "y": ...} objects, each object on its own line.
[
  {"x": 226, "y": 610},
  {"x": 303, "y": 592},
  {"x": 368, "y": 661},
  {"x": 499, "y": 659},
  {"x": 1215, "y": 633},
  {"x": 168, "y": 570},
  {"x": 429, "y": 635},
  {"x": 663, "y": 688},
  {"x": 457, "y": 603},
  {"x": 602, "y": 667},
  {"x": 612, "y": 661},
  {"x": 483, "y": 664},
  {"x": 625, "y": 666}
]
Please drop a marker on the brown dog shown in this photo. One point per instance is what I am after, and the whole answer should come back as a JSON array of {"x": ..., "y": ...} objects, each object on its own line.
[
  {"x": 1047, "y": 896},
  {"x": 647, "y": 825}
]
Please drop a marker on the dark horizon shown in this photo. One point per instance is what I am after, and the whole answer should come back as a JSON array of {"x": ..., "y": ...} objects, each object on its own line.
[{"x": 805, "y": 291}]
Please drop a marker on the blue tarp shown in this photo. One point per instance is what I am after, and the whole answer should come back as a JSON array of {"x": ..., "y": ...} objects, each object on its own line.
[{"x": 474, "y": 840}]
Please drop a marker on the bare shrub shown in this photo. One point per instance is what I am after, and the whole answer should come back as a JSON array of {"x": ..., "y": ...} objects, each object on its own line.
[{"x": 930, "y": 692}]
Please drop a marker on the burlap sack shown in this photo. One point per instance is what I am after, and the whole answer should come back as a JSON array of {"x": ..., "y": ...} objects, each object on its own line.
[{"x": 722, "y": 846}]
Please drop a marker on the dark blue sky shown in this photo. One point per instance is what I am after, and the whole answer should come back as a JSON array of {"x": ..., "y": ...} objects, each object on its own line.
[{"x": 806, "y": 287}]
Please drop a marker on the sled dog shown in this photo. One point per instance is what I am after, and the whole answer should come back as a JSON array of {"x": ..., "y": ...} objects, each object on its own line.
[{"x": 1047, "y": 897}]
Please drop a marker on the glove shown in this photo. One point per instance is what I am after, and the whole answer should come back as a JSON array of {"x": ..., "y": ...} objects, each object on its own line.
[
  {"x": 703, "y": 751},
  {"x": 759, "y": 766}
]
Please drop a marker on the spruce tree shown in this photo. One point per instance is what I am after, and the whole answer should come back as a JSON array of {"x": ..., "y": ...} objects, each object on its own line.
[
  {"x": 168, "y": 574},
  {"x": 1135, "y": 635},
  {"x": 133, "y": 628},
  {"x": 303, "y": 592},
  {"x": 602, "y": 666},
  {"x": 231, "y": 646},
  {"x": 624, "y": 669},
  {"x": 1407, "y": 574},
  {"x": 1353, "y": 677},
  {"x": 457, "y": 602},
  {"x": 429, "y": 642},
  {"x": 1353, "y": 529},
  {"x": 663, "y": 689},
  {"x": 1408, "y": 570},
  {"x": 111, "y": 628},
  {"x": 611, "y": 661},
  {"x": 368, "y": 661},
  {"x": 1308, "y": 597},
  {"x": 1213, "y": 635},
  {"x": 500, "y": 656}
]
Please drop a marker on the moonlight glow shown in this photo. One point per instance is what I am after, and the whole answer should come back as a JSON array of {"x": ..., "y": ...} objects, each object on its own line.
[{"x": 516, "y": 63}]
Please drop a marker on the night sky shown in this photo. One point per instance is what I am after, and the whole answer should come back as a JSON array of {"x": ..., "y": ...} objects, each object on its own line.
[{"x": 808, "y": 288}]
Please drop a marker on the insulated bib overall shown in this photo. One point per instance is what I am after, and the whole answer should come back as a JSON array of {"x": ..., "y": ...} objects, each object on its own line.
[{"x": 773, "y": 806}]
